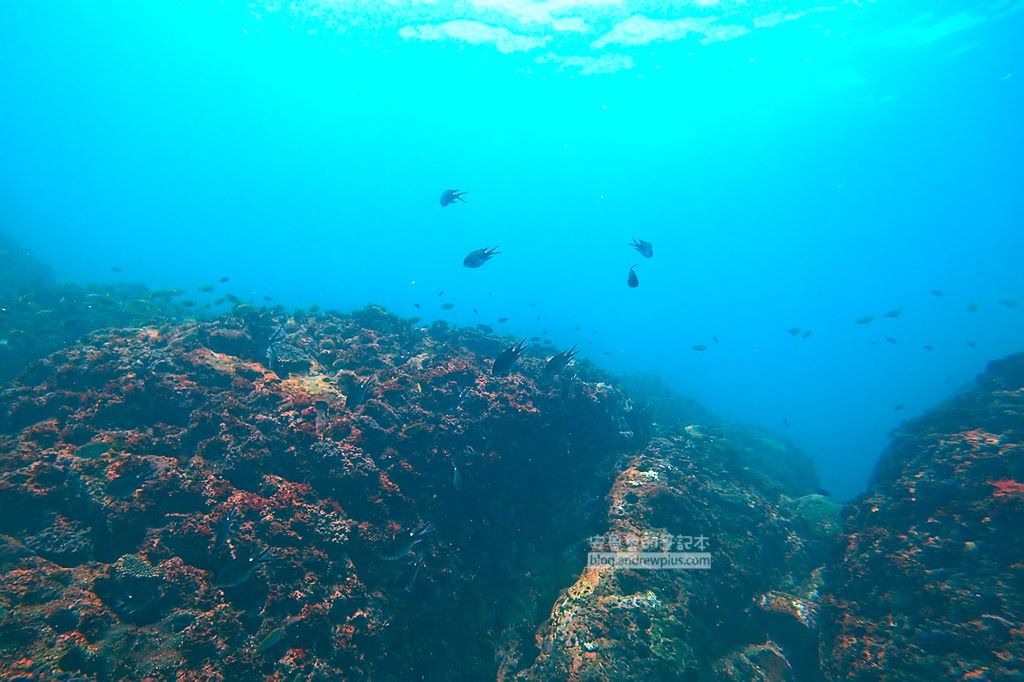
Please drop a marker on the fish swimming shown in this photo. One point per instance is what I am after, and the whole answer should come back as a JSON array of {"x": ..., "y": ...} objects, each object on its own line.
[
  {"x": 503, "y": 363},
  {"x": 806, "y": 334},
  {"x": 632, "y": 282},
  {"x": 560, "y": 361},
  {"x": 456, "y": 477},
  {"x": 408, "y": 544},
  {"x": 894, "y": 313},
  {"x": 864, "y": 320},
  {"x": 973, "y": 307},
  {"x": 450, "y": 196},
  {"x": 361, "y": 392},
  {"x": 699, "y": 347},
  {"x": 793, "y": 331},
  {"x": 644, "y": 248},
  {"x": 477, "y": 258},
  {"x": 239, "y": 571},
  {"x": 890, "y": 339}
]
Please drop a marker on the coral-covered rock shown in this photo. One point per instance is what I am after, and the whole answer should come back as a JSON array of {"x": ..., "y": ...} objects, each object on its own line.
[
  {"x": 706, "y": 485},
  {"x": 209, "y": 501},
  {"x": 929, "y": 583}
]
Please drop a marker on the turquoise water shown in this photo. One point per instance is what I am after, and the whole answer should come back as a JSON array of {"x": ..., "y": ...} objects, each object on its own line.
[{"x": 794, "y": 166}]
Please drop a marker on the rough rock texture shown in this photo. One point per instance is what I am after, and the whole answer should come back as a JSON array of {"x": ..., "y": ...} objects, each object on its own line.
[
  {"x": 173, "y": 508},
  {"x": 929, "y": 580},
  {"x": 751, "y": 616}
]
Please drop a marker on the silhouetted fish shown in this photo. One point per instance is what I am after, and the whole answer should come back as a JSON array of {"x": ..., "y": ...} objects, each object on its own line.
[
  {"x": 503, "y": 363},
  {"x": 793, "y": 331},
  {"x": 806, "y": 334},
  {"x": 936, "y": 293},
  {"x": 643, "y": 247},
  {"x": 972, "y": 307},
  {"x": 894, "y": 313},
  {"x": 928, "y": 347},
  {"x": 699, "y": 347},
  {"x": 448, "y": 306},
  {"x": 502, "y": 320},
  {"x": 864, "y": 320},
  {"x": 890, "y": 339},
  {"x": 450, "y": 196},
  {"x": 477, "y": 258},
  {"x": 1008, "y": 302},
  {"x": 632, "y": 280}
]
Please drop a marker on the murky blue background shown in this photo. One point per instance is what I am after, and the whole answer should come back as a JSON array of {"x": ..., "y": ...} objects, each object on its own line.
[{"x": 796, "y": 166}]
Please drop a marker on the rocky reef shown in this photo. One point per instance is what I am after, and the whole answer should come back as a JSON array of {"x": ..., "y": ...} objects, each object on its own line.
[
  {"x": 170, "y": 502},
  {"x": 286, "y": 496},
  {"x": 928, "y": 582}
]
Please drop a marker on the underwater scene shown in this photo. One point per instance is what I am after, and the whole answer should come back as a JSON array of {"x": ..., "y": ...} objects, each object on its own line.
[{"x": 513, "y": 340}]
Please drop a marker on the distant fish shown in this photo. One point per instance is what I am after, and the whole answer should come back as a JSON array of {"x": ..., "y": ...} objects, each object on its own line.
[
  {"x": 1009, "y": 302},
  {"x": 894, "y": 313},
  {"x": 116, "y": 268},
  {"x": 450, "y": 196},
  {"x": 972, "y": 307},
  {"x": 644, "y": 248},
  {"x": 224, "y": 280},
  {"x": 806, "y": 334},
  {"x": 897, "y": 407},
  {"x": 207, "y": 288},
  {"x": 268, "y": 298},
  {"x": 502, "y": 320},
  {"x": 971, "y": 344},
  {"x": 456, "y": 477},
  {"x": 699, "y": 347},
  {"x": 864, "y": 320},
  {"x": 448, "y": 306},
  {"x": 793, "y": 331},
  {"x": 441, "y": 293},
  {"x": 417, "y": 305},
  {"x": 485, "y": 328},
  {"x": 936, "y": 293},
  {"x": 715, "y": 339},
  {"x": 890, "y": 339},
  {"x": 477, "y": 258},
  {"x": 926, "y": 347},
  {"x": 632, "y": 280},
  {"x": 785, "y": 422},
  {"x": 360, "y": 393},
  {"x": 503, "y": 363}
]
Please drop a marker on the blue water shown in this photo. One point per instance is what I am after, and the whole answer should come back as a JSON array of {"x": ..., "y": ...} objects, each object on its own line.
[{"x": 796, "y": 166}]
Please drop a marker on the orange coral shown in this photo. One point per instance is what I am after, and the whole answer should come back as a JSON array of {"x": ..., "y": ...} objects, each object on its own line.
[{"x": 1007, "y": 486}]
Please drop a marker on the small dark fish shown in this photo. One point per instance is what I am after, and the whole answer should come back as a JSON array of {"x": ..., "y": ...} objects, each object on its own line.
[
  {"x": 643, "y": 247},
  {"x": 806, "y": 334},
  {"x": 456, "y": 477},
  {"x": 485, "y": 328},
  {"x": 224, "y": 280},
  {"x": 409, "y": 542},
  {"x": 928, "y": 347},
  {"x": 188, "y": 303},
  {"x": 448, "y": 306},
  {"x": 971, "y": 344},
  {"x": 314, "y": 308},
  {"x": 534, "y": 338},
  {"x": 1008, "y": 302},
  {"x": 240, "y": 570},
  {"x": 936, "y": 293},
  {"x": 793, "y": 331},
  {"x": 477, "y": 258},
  {"x": 268, "y": 298},
  {"x": 441, "y": 293},
  {"x": 560, "y": 361},
  {"x": 632, "y": 280},
  {"x": 897, "y": 407},
  {"x": 894, "y": 313},
  {"x": 715, "y": 339},
  {"x": 417, "y": 305},
  {"x": 220, "y": 301},
  {"x": 450, "y": 196},
  {"x": 222, "y": 537},
  {"x": 972, "y": 307},
  {"x": 785, "y": 422},
  {"x": 502, "y": 320},
  {"x": 117, "y": 268},
  {"x": 361, "y": 392},
  {"x": 699, "y": 347},
  {"x": 503, "y": 363},
  {"x": 890, "y": 339},
  {"x": 475, "y": 311},
  {"x": 864, "y": 320},
  {"x": 207, "y": 288}
]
